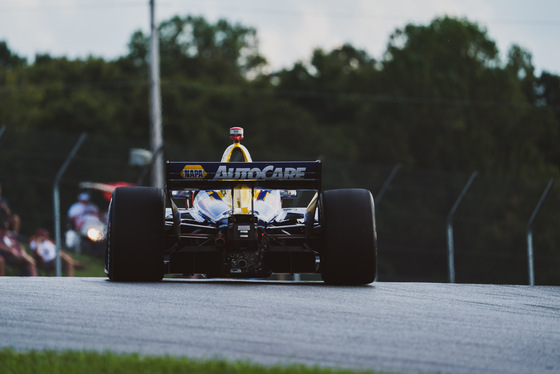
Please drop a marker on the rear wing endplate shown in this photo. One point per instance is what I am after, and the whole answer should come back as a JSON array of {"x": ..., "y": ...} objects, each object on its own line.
[{"x": 303, "y": 175}]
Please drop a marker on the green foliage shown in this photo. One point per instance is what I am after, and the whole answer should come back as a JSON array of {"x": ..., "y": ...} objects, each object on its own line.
[
  {"x": 8, "y": 59},
  {"x": 439, "y": 99},
  {"x": 69, "y": 362}
]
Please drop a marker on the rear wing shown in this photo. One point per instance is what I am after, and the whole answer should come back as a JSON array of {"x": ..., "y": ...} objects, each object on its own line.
[{"x": 303, "y": 175}]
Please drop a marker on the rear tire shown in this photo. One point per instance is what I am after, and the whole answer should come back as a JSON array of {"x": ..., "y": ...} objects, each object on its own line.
[
  {"x": 349, "y": 253},
  {"x": 135, "y": 234}
]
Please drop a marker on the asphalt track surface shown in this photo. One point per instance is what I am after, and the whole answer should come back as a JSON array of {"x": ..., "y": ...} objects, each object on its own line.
[{"x": 402, "y": 327}]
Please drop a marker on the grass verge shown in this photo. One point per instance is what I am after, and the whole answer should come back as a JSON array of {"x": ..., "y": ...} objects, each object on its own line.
[{"x": 69, "y": 362}]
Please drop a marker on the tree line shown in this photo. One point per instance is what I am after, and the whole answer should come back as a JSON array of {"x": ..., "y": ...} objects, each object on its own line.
[{"x": 439, "y": 98}]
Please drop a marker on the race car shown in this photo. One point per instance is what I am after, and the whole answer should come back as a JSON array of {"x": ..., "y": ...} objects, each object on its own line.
[{"x": 227, "y": 219}]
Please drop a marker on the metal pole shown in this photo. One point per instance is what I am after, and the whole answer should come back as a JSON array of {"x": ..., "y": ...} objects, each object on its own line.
[
  {"x": 150, "y": 165},
  {"x": 56, "y": 198},
  {"x": 386, "y": 184},
  {"x": 530, "y": 233},
  {"x": 450, "y": 249},
  {"x": 156, "y": 138}
]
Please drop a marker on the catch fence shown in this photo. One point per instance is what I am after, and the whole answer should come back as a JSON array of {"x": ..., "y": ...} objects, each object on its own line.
[{"x": 490, "y": 225}]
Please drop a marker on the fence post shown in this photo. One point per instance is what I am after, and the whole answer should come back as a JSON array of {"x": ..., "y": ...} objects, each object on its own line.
[
  {"x": 530, "y": 233},
  {"x": 386, "y": 184},
  {"x": 449, "y": 222},
  {"x": 56, "y": 198}
]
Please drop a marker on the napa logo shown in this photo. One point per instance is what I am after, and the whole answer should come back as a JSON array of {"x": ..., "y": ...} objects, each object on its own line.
[{"x": 193, "y": 172}]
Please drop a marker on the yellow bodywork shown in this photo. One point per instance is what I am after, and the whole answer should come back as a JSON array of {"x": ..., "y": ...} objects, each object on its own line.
[
  {"x": 241, "y": 201},
  {"x": 236, "y": 149}
]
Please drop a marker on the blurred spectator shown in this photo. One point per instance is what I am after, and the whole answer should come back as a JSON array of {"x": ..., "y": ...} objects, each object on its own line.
[
  {"x": 14, "y": 254},
  {"x": 81, "y": 209},
  {"x": 6, "y": 215},
  {"x": 44, "y": 251}
]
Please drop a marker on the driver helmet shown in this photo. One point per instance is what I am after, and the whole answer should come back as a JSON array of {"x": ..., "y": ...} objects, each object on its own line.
[{"x": 84, "y": 196}]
